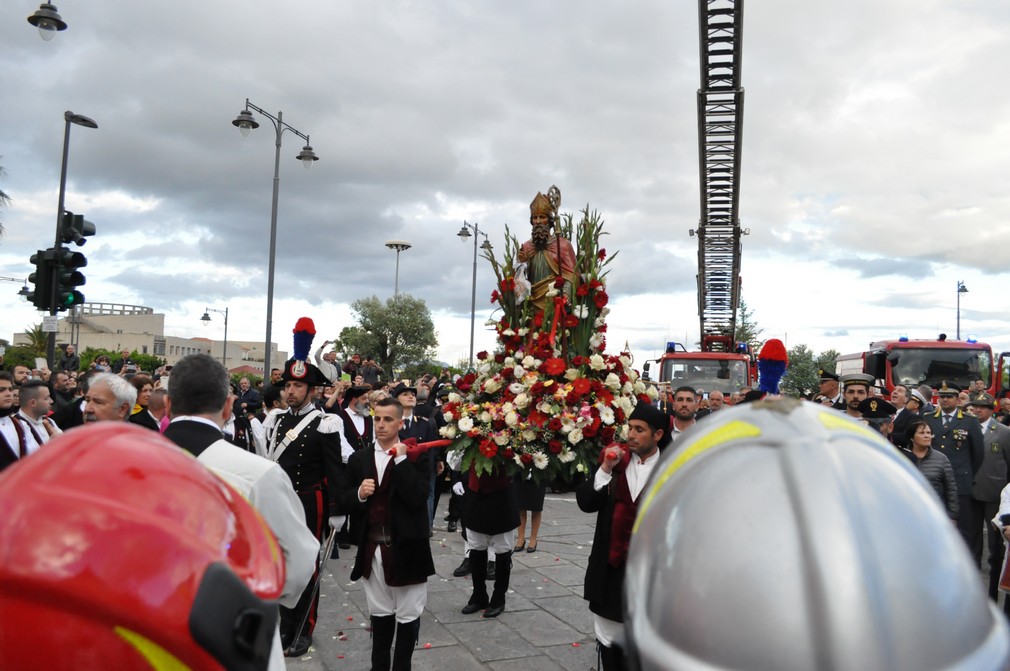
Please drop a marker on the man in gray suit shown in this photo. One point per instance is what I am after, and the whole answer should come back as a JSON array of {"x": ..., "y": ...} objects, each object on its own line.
[{"x": 991, "y": 478}]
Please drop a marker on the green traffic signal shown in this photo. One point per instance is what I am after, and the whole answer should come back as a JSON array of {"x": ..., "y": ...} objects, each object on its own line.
[{"x": 68, "y": 277}]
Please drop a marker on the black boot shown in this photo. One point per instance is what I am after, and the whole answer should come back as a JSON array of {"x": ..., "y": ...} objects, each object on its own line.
[
  {"x": 478, "y": 576},
  {"x": 406, "y": 639},
  {"x": 383, "y": 628},
  {"x": 503, "y": 571},
  {"x": 612, "y": 658}
]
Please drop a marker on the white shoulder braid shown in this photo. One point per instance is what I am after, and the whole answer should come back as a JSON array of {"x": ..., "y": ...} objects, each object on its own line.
[{"x": 330, "y": 423}]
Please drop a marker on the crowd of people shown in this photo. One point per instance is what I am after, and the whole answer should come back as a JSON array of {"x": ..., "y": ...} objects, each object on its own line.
[{"x": 337, "y": 453}]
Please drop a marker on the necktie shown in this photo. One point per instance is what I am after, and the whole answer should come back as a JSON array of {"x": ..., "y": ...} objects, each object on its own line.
[
  {"x": 408, "y": 424},
  {"x": 946, "y": 421}
]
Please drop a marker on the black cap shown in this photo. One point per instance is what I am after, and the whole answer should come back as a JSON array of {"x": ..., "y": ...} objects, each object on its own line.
[
  {"x": 303, "y": 371},
  {"x": 826, "y": 375},
  {"x": 354, "y": 392},
  {"x": 402, "y": 389},
  {"x": 878, "y": 409},
  {"x": 655, "y": 418}
]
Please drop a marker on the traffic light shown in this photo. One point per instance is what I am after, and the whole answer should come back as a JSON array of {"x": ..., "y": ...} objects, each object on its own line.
[
  {"x": 68, "y": 277},
  {"x": 75, "y": 228},
  {"x": 41, "y": 278}
]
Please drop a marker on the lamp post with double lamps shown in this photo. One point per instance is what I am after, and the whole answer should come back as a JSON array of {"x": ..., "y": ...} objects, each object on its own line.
[
  {"x": 246, "y": 122},
  {"x": 464, "y": 233}
]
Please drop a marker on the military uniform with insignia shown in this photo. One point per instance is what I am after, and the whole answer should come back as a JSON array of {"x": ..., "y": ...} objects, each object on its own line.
[
  {"x": 990, "y": 480},
  {"x": 958, "y": 436},
  {"x": 306, "y": 443}
]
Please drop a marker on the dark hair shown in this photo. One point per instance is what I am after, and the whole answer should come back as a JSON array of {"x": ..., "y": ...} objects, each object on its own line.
[
  {"x": 270, "y": 396},
  {"x": 31, "y": 389},
  {"x": 199, "y": 385},
  {"x": 390, "y": 403},
  {"x": 686, "y": 388},
  {"x": 7, "y": 375},
  {"x": 140, "y": 380},
  {"x": 912, "y": 428}
]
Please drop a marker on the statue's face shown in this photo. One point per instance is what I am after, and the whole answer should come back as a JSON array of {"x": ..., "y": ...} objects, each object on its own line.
[{"x": 541, "y": 231}]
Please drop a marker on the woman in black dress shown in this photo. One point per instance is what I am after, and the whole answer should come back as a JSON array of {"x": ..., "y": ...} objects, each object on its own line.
[{"x": 531, "y": 499}]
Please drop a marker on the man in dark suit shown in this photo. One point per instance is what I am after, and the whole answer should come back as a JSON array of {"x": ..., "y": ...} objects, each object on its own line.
[
  {"x": 384, "y": 491},
  {"x": 248, "y": 401},
  {"x": 959, "y": 437},
  {"x": 422, "y": 430},
  {"x": 992, "y": 477},
  {"x": 198, "y": 402}
]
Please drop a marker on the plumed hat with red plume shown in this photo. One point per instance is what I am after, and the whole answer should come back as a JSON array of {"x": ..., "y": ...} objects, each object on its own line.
[{"x": 772, "y": 363}]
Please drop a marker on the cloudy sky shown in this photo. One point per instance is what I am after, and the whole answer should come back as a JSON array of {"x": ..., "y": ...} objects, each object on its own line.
[{"x": 875, "y": 159}]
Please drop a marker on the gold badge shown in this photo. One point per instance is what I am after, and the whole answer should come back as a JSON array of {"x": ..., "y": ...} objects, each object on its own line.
[{"x": 873, "y": 406}]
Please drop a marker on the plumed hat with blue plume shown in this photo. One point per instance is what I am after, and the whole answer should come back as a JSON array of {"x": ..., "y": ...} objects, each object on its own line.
[{"x": 298, "y": 368}]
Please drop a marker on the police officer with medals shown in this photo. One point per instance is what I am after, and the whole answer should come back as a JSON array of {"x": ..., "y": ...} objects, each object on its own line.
[
  {"x": 958, "y": 436},
  {"x": 306, "y": 443}
]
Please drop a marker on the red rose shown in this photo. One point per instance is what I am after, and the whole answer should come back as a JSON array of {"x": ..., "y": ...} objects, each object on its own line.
[
  {"x": 589, "y": 431},
  {"x": 578, "y": 360},
  {"x": 507, "y": 373},
  {"x": 499, "y": 358},
  {"x": 559, "y": 282},
  {"x": 554, "y": 424},
  {"x": 509, "y": 453},
  {"x": 597, "y": 386},
  {"x": 482, "y": 356},
  {"x": 498, "y": 424},
  {"x": 554, "y": 366},
  {"x": 537, "y": 388},
  {"x": 554, "y": 446},
  {"x": 527, "y": 459},
  {"x": 607, "y": 434},
  {"x": 644, "y": 398}
]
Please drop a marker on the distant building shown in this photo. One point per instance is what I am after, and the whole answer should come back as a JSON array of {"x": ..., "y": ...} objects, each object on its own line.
[{"x": 115, "y": 327}]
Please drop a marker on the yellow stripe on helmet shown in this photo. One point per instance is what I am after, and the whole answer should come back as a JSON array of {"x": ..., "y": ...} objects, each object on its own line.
[{"x": 159, "y": 658}]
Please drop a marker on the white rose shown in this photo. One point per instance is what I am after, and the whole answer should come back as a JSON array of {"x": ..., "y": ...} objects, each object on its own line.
[
  {"x": 502, "y": 439},
  {"x": 522, "y": 400},
  {"x": 612, "y": 381},
  {"x": 518, "y": 372},
  {"x": 508, "y": 332},
  {"x": 627, "y": 388},
  {"x": 509, "y": 362},
  {"x": 529, "y": 436},
  {"x": 448, "y": 431},
  {"x": 638, "y": 387},
  {"x": 566, "y": 456},
  {"x": 529, "y": 362},
  {"x": 540, "y": 460},
  {"x": 454, "y": 397},
  {"x": 580, "y": 467},
  {"x": 595, "y": 341},
  {"x": 571, "y": 374},
  {"x": 491, "y": 386},
  {"x": 511, "y": 419},
  {"x": 507, "y": 407},
  {"x": 625, "y": 361},
  {"x": 518, "y": 459},
  {"x": 485, "y": 417},
  {"x": 465, "y": 424},
  {"x": 652, "y": 393},
  {"x": 484, "y": 369},
  {"x": 575, "y": 436},
  {"x": 517, "y": 387},
  {"x": 596, "y": 362},
  {"x": 448, "y": 416}
]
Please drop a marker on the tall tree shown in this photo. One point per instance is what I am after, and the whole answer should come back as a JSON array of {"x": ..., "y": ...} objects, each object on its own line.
[
  {"x": 747, "y": 329},
  {"x": 398, "y": 333},
  {"x": 826, "y": 360},
  {"x": 801, "y": 377}
]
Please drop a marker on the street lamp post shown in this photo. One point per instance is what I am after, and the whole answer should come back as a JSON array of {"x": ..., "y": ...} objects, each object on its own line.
[
  {"x": 399, "y": 246},
  {"x": 81, "y": 120},
  {"x": 961, "y": 289},
  {"x": 245, "y": 123},
  {"x": 464, "y": 233},
  {"x": 206, "y": 320}
]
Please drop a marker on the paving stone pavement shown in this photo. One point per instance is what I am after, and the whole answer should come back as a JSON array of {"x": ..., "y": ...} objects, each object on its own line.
[{"x": 546, "y": 625}]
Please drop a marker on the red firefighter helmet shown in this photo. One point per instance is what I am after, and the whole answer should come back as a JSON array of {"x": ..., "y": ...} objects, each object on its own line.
[{"x": 120, "y": 551}]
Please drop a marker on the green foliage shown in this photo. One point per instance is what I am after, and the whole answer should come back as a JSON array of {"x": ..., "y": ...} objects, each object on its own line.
[
  {"x": 38, "y": 341},
  {"x": 801, "y": 376},
  {"x": 19, "y": 355},
  {"x": 145, "y": 362},
  {"x": 747, "y": 329},
  {"x": 398, "y": 333},
  {"x": 827, "y": 360}
]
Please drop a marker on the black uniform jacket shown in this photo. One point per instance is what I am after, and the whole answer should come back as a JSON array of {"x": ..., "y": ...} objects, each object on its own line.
[
  {"x": 604, "y": 583},
  {"x": 408, "y": 499},
  {"x": 961, "y": 443}
]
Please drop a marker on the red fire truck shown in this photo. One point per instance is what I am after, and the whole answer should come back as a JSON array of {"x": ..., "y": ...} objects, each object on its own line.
[{"x": 913, "y": 362}]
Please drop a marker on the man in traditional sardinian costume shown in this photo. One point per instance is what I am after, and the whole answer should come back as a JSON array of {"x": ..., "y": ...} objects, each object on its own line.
[
  {"x": 306, "y": 443},
  {"x": 546, "y": 256},
  {"x": 613, "y": 493}
]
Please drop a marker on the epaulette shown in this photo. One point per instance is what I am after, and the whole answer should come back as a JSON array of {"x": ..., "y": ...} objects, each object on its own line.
[{"x": 330, "y": 423}]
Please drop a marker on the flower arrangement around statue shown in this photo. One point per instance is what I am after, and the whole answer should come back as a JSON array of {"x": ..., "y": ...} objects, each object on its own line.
[{"x": 549, "y": 398}]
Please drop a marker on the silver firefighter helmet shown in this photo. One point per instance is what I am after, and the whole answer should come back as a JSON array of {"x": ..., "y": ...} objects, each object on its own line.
[{"x": 782, "y": 535}]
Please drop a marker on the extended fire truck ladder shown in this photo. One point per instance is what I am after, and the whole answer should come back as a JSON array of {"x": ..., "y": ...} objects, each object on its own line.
[{"x": 720, "y": 131}]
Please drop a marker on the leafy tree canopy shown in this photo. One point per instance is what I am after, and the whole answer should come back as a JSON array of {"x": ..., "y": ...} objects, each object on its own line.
[{"x": 398, "y": 333}]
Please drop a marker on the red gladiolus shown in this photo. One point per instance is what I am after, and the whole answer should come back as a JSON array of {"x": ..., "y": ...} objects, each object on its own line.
[
  {"x": 583, "y": 290},
  {"x": 554, "y": 446},
  {"x": 508, "y": 284},
  {"x": 538, "y": 320},
  {"x": 571, "y": 321},
  {"x": 602, "y": 254},
  {"x": 600, "y": 299},
  {"x": 559, "y": 282},
  {"x": 554, "y": 366},
  {"x": 495, "y": 296}
]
